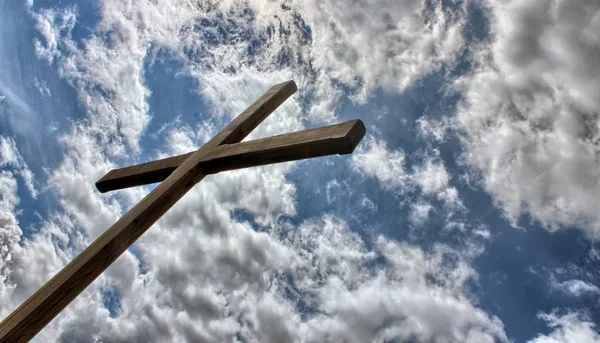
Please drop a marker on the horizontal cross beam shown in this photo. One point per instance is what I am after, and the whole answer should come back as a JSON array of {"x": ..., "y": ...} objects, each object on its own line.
[{"x": 329, "y": 140}]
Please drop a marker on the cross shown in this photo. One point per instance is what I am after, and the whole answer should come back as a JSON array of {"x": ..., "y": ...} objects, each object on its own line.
[{"x": 177, "y": 175}]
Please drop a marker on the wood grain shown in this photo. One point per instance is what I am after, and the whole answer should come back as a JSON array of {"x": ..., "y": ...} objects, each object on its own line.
[
  {"x": 328, "y": 140},
  {"x": 37, "y": 311}
]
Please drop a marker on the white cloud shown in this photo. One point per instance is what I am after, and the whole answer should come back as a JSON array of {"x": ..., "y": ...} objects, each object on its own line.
[
  {"x": 52, "y": 24},
  {"x": 9, "y": 234},
  {"x": 325, "y": 46},
  {"x": 419, "y": 212},
  {"x": 11, "y": 157},
  {"x": 24, "y": 263},
  {"x": 433, "y": 129},
  {"x": 431, "y": 176},
  {"x": 389, "y": 45},
  {"x": 530, "y": 112},
  {"x": 373, "y": 158},
  {"x": 568, "y": 328},
  {"x": 328, "y": 47},
  {"x": 231, "y": 94},
  {"x": 357, "y": 304},
  {"x": 574, "y": 287},
  {"x": 107, "y": 74}
]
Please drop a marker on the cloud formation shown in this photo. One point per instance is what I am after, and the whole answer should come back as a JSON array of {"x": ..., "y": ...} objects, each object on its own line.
[
  {"x": 575, "y": 287},
  {"x": 429, "y": 178},
  {"x": 571, "y": 327},
  {"x": 317, "y": 284},
  {"x": 530, "y": 111}
]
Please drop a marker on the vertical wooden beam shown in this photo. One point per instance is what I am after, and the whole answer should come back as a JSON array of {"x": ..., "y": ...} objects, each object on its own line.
[{"x": 37, "y": 311}]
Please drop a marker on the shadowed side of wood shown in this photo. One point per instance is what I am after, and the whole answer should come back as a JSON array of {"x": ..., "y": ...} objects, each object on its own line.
[
  {"x": 37, "y": 311},
  {"x": 329, "y": 140},
  {"x": 335, "y": 139},
  {"x": 140, "y": 174}
]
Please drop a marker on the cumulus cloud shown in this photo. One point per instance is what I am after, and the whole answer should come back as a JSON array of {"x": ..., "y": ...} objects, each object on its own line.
[
  {"x": 327, "y": 47},
  {"x": 571, "y": 327},
  {"x": 358, "y": 304},
  {"x": 530, "y": 111},
  {"x": 10, "y": 232},
  {"x": 315, "y": 282},
  {"x": 389, "y": 45}
]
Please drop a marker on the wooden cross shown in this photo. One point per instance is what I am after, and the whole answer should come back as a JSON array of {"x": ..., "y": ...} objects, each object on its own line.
[{"x": 178, "y": 175}]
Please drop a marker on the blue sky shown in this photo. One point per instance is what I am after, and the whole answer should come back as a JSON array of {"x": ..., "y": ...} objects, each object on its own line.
[{"x": 468, "y": 212}]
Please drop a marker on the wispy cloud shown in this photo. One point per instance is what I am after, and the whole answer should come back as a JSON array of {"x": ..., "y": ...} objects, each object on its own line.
[
  {"x": 574, "y": 287},
  {"x": 10, "y": 157}
]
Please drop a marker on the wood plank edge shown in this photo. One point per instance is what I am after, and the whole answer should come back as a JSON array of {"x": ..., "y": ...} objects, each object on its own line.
[{"x": 354, "y": 136}]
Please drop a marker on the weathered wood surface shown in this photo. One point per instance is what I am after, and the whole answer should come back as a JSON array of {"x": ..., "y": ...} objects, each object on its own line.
[
  {"x": 37, "y": 311},
  {"x": 328, "y": 140}
]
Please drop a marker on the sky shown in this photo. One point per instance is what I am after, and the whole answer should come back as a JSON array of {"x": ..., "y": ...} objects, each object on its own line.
[{"x": 468, "y": 213}]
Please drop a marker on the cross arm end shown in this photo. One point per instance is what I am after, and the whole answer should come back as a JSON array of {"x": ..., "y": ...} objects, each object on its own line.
[{"x": 353, "y": 136}]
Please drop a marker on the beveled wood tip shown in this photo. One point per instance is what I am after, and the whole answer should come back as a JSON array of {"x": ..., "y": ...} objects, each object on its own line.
[
  {"x": 100, "y": 188},
  {"x": 354, "y": 136},
  {"x": 101, "y": 183},
  {"x": 291, "y": 85}
]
